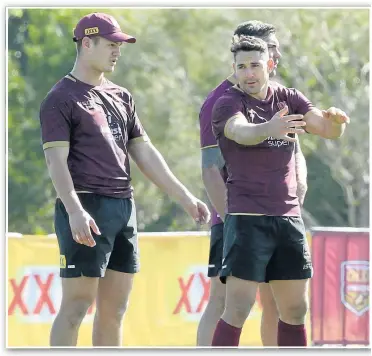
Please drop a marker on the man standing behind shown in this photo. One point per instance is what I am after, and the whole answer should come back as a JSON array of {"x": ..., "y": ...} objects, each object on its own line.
[
  {"x": 89, "y": 128},
  {"x": 214, "y": 178},
  {"x": 255, "y": 122}
]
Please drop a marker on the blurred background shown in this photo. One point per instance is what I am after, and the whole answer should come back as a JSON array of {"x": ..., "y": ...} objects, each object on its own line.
[{"x": 180, "y": 55}]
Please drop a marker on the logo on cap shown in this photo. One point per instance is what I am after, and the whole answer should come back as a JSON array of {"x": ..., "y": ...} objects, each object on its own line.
[
  {"x": 103, "y": 25},
  {"x": 91, "y": 31}
]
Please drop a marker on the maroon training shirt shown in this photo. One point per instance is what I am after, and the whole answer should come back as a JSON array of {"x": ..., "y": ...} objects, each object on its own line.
[
  {"x": 261, "y": 178},
  {"x": 97, "y": 123}
]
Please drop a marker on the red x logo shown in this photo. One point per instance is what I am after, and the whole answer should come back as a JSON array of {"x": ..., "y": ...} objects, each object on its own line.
[
  {"x": 44, "y": 296},
  {"x": 43, "y": 299},
  {"x": 184, "y": 300},
  {"x": 17, "y": 299},
  {"x": 185, "y": 288}
]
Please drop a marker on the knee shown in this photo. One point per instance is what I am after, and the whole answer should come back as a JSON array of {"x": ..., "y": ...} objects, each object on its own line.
[
  {"x": 112, "y": 313},
  {"x": 75, "y": 310},
  {"x": 216, "y": 303},
  {"x": 120, "y": 310},
  {"x": 295, "y": 313},
  {"x": 239, "y": 310}
]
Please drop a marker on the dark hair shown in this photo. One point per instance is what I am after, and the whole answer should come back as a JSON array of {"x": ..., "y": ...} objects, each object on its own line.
[
  {"x": 248, "y": 44},
  {"x": 254, "y": 28},
  {"x": 79, "y": 42}
]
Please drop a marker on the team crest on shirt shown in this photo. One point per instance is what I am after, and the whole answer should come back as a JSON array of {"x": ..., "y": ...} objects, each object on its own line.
[
  {"x": 254, "y": 117},
  {"x": 251, "y": 115},
  {"x": 355, "y": 286}
]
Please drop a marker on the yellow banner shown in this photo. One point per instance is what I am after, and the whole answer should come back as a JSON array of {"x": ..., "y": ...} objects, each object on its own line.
[{"x": 169, "y": 295}]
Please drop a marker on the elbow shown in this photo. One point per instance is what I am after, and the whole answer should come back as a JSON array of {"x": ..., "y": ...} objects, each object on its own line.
[{"x": 55, "y": 164}]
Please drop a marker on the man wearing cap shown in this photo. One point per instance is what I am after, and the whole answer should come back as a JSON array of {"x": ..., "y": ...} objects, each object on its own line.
[{"x": 89, "y": 128}]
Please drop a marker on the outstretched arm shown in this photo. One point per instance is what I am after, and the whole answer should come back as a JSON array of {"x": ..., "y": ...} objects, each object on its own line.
[
  {"x": 329, "y": 123},
  {"x": 153, "y": 166}
]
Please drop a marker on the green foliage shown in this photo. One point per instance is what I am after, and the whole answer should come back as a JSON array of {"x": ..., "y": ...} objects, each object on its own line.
[{"x": 180, "y": 55}]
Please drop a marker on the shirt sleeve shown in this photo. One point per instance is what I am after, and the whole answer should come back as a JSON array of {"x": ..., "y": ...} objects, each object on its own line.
[
  {"x": 224, "y": 109},
  {"x": 299, "y": 102},
  {"x": 55, "y": 121},
  {"x": 135, "y": 128},
  {"x": 207, "y": 138}
]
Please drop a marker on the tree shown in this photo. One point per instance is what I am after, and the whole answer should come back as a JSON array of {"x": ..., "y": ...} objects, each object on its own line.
[{"x": 180, "y": 55}]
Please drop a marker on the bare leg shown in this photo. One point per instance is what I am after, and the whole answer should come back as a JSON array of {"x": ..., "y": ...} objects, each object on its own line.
[
  {"x": 270, "y": 316},
  {"x": 77, "y": 296},
  {"x": 240, "y": 298},
  {"x": 112, "y": 302},
  {"x": 292, "y": 300},
  {"x": 212, "y": 313}
]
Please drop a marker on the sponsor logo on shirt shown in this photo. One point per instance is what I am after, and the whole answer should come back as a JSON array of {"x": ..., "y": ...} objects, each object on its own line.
[
  {"x": 115, "y": 128},
  {"x": 254, "y": 117}
]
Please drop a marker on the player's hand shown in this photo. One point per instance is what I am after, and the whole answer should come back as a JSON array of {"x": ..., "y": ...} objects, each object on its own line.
[
  {"x": 336, "y": 115},
  {"x": 81, "y": 223},
  {"x": 281, "y": 125},
  {"x": 197, "y": 210}
]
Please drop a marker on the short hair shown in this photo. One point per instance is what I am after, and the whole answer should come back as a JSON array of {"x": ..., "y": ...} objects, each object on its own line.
[
  {"x": 255, "y": 28},
  {"x": 248, "y": 44},
  {"x": 79, "y": 42}
]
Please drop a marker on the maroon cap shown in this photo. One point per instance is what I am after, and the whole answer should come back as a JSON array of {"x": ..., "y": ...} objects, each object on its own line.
[{"x": 99, "y": 24}]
